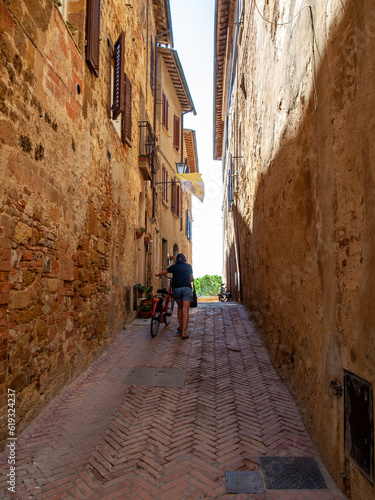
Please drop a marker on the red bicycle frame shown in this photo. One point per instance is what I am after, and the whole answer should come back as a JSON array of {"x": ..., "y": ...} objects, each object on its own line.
[{"x": 165, "y": 303}]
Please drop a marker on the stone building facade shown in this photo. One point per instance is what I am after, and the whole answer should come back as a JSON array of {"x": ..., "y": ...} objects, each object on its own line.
[
  {"x": 294, "y": 123},
  {"x": 80, "y": 165}
]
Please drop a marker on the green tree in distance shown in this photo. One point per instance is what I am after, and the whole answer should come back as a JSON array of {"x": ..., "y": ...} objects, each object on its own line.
[{"x": 208, "y": 285}]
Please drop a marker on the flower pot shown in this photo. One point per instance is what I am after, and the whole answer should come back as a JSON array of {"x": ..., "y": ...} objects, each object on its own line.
[
  {"x": 145, "y": 314},
  {"x": 147, "y": 240},
  {"x": 139, "y": 234}
]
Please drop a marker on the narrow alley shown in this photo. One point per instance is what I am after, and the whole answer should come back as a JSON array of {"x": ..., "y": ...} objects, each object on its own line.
[{"x": 209, "y": 427}]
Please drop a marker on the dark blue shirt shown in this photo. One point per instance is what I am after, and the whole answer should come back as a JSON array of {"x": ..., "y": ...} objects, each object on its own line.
[{"x": 181, "y": 274}]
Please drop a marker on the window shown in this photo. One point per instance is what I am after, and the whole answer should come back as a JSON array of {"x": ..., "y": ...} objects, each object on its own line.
[
  {"x": 176, "y": 131},
  {"x": 119, "y": 77},
  {"x": 127, "y": 113},
  {"x": 188, "y": 225},
  {"x": 164, "y": 189},
  {"x": 164, "y": 118},
  {"x": 93, "y": 35}
]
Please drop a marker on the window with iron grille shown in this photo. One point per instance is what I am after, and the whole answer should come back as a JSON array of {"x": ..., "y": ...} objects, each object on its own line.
[
  {"x": 93, "y": 35},
  {"x": 127, "y": 113},
  {"x": 119, "y": 77},
  {"x": 164, "y": 118},
  {"x": 176, "y": 131}
]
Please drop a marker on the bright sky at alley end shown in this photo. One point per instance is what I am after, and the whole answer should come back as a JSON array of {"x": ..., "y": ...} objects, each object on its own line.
[{"x": 193, "y": 34}]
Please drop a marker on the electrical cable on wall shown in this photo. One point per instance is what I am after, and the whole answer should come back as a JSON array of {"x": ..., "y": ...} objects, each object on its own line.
[{"x": 314, "y": 41}]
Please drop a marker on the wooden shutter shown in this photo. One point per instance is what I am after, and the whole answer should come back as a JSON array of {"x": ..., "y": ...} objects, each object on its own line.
[
  {"x": 173, "y": 197},
  {"x": 119, "y": 77},
  {"x": 93, "y": 35},
  {"x": 180, "y": 212},
  {"x": 164, "y": 119},
  {"x": 127, "y": 113},
  {"x": 176, "y": 131},
  {"x": 165, "y": 185}
]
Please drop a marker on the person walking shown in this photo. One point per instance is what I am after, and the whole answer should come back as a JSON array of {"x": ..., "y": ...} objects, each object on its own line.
[{"x": 181, "y": 290}]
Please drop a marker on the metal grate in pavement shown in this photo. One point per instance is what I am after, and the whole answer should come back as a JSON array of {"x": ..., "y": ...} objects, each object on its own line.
[
  {"x": 155, "y": 377},
  {"x": 283, "y": 473},
  {"x": 243, "y": 482}
]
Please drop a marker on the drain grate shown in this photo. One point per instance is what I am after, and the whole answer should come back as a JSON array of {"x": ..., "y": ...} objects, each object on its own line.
[
  {"x": 284, "y": 473},
  {"x": 155, "y": 377},
  {"x": 244, "y": 482}
]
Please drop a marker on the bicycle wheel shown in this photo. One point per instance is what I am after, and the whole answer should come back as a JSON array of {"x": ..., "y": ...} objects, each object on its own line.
[
  {"x": 155, "y": 322},
  {"x": 168, "y": 314}
]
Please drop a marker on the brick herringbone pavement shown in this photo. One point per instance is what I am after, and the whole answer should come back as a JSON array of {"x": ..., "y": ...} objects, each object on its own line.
[{"x": 102, "y": 439}]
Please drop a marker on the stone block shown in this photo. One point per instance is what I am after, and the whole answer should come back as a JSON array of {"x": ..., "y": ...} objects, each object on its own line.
[
  {"x": 93, "y": 221},
  {"x": 94, "y": 256},
  {"x": 29, "y": 314},
  {"x": 102, "y": 247},
  {"x": 53, "y": 285},
  {"x": 5, "y": 243},
  {"x": 4, "y": 298},
  {"x": 22, "y": 233},
  {"x": 28, "y": 277},
  {"x": 7, "y": 133},
  {"x": 41, "y": 330},
  {"x": 5, "y": 265},
  {"x": 66, "y": 269},
  {"x": 19, "y": 299}
]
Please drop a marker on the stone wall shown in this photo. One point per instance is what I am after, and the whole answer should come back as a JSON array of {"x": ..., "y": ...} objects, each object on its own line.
[
  {"x": 303, "y": 221},
  {"x": 68, "y": 199}
]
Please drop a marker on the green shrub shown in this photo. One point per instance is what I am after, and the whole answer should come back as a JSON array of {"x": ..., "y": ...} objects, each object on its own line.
[{"x": 208, "y": 285}]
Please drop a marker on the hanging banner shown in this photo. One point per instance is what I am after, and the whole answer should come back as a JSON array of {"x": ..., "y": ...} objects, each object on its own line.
[{"x": 192, "y": 184}]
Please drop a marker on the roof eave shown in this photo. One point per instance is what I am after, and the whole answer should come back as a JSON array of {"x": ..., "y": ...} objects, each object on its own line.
[{"x": 187, "y": 107}]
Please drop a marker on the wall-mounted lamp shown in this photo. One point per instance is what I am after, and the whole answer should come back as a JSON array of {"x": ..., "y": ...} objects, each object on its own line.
[{"x": 181, "y": 167}]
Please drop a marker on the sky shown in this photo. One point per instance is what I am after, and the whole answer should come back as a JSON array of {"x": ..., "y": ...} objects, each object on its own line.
[{"x": 193, "y": 36}]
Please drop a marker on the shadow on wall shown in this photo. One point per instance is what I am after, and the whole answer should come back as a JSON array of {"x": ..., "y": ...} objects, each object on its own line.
[{"x": 307, "y": 265}]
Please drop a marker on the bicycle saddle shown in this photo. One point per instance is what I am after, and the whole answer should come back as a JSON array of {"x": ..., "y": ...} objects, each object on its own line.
[{"x": 162, "y": 290}]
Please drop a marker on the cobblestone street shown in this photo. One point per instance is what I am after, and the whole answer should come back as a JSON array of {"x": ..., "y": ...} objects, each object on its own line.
[{"x": 103, "y": 438}]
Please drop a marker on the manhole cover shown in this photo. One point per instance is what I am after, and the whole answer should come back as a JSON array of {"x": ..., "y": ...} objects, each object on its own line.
[
  {"x": 243, "y": 482},
  {"x": 155, "y": 377},
  {"x": 285, "y": 473}
]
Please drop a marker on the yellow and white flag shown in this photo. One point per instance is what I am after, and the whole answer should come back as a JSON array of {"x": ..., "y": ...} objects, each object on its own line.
[{"x": 192, "y": 184}]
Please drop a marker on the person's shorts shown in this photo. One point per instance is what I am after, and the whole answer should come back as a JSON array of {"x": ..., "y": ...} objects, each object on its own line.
[{"x": 183, "y": 293}]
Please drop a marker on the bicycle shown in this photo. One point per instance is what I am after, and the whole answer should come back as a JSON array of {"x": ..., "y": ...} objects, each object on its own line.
[
  {"x": 162, "y": 309},
  {"x": 224, "y": 293}
]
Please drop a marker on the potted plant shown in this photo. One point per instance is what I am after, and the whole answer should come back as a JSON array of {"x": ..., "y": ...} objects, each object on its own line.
[
  {"x": 139, "y": 232},
  {"x": 149, "y": 292},
  {"x": 141, "y": 289},
  {"x": 145, "y": 311},
  {"x": 148, "y": 299},
  {"x": 147, "y": 239}
]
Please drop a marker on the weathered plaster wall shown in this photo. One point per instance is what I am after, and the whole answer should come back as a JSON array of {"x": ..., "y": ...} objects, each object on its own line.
[
  {"x": 305, "y": 213},
  {"x": 68, "y": 200}
]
